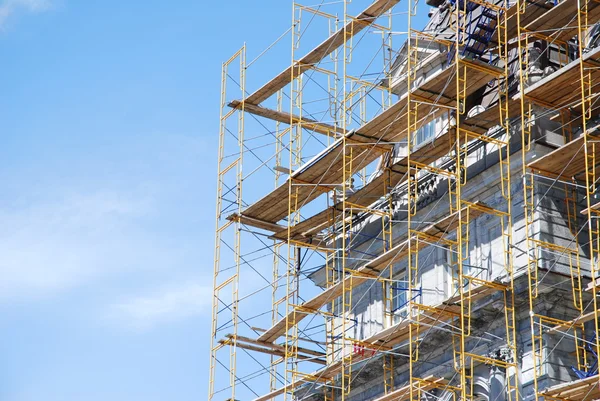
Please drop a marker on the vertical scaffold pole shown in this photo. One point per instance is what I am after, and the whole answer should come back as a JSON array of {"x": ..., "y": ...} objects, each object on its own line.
[
  {"x": 511, "y": 369},
  {"x": 346, "y": 349},
  {"x": 528, "y": 199},
  {"x": 460, "y": 88},
  {"x": 224, "y": 279},
  {"x": 276, "y": 298},
  {"x": 589, "y": 148},
  {"x": 294, "y": 160},
  {"x": 412, "y": 193}
]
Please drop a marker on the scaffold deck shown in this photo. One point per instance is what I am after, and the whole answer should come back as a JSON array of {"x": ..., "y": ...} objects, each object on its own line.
[
  {"x": 562, "y": 88},
  {"x": 563, "y": 15},
  {"x": 354, "y": 234},
  {"x": 403, "y": 393},
  {"x": 578, "y": 390},
  {"x": 325, "y": 171},
  {"x": 287, "y": 118},
  {"x": 373, "y": 268},
  {"x": 480, "y": 123},
  {"x": 566, "y": 162},
  {"x": 390, "y": 337},
  {"x": 375, "y": 189},
  {"x": 352, "y": 28},
  {"x": 534, "y": 10},
  {"x": 435, "y": 315}
]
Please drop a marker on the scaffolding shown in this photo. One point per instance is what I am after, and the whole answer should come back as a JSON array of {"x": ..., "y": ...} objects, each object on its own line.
[
  {"x": 578, "y": 178},
  {"x": 341, "y": 176}
]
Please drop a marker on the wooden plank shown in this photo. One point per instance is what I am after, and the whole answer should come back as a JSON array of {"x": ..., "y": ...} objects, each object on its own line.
[
  {"x": 567, "y": 162},
  {"x": 399, "y": 332},
  {"x": 574, "y": 115},
  {"x": 275, "y": 349},
  {"x": 326, "y": 169},
  {"x": 307, "y": 229},
  {"x": 352, "y": 28},
  {"x": 595, "y": 209},
  {"x": 534, "y": 9},
  {"x": 374, "y": 267},
  {"x": 335, "y": 368},
  {"x": 325, "y": 374},
  {"x": 490, "y": 117},
  {"x": 590, "y": 286},
  {"x": 563, "y": 162},
  {"x": 287, "y": 118},
  {"x": 578, "y": 390},
  {"x": 392, "y": 336},
  {"x": 438, "y": 89},
  {"x": 274, "y": 352},
  {"x": 426, "y": 154},
  {"x": 249, "y": 221},
  {"x": 563, "y": 87},
  {"x": 311, "y": 183},
  {"x": 571, "y": 323},
  {"x": 279, "y": 347},
  {"x": 403, "y": 393},
  {"x": 560, "y": 22},
  {"x": 279, "y": 391}
]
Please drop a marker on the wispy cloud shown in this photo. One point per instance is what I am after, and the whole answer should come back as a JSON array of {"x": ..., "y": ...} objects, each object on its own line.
[
  {"x": 166, "y": 305},
  {"x": 48, "y": 246},
  {"x": 10, "y": 7},
  {"x": 113, "y": 226}
]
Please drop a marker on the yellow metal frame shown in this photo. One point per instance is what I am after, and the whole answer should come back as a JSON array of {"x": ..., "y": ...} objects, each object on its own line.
[
  {"x": 533, "y": 244},
  {"x": 340, "y": 267},
  {"x": 231, "y": 280}
]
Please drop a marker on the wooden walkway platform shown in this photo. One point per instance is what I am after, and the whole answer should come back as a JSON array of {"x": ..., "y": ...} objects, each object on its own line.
[
  {"x": 352, "y": 28},
  {"x": 578, "y": 390},
  {"x": 372, "y": 268},
  {"x": 325, "y": 171}
]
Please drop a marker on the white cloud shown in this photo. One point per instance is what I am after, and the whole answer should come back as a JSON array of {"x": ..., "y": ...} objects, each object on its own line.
[
  {"x": 108, "y": 226},
  {"x": 10, "y": 7},
  {"x": 163, "y": 306},
  {"x": 49, "y": 247}
]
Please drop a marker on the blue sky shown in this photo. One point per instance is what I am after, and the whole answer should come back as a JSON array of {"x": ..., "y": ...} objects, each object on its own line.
[
  {"x": 109, "y": 127},
  {"x": 109, "y": 122}
]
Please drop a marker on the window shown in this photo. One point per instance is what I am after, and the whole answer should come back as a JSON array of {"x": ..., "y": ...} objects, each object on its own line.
[
  {"x": 426, "y": 132},
  {"x": 400, "y": 292}
]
